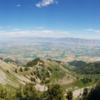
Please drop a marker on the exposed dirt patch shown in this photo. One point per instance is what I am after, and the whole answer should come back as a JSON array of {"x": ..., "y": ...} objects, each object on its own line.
[
  {"x": 67, "y": 79},
  {"x": 41, "y": 87}
]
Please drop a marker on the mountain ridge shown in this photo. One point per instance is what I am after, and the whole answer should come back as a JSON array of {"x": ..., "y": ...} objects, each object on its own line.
[{"x": 66, "y": 40}]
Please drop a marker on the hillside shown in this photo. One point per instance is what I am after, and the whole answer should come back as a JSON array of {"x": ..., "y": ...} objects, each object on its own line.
[
  {"x": 42, "y": 71},
  {"x": 90, "y": 68},
  {"x": 76, "y": 63},
  {"x": 47, "y": 69},
  {"x": 13, "y": 60}
]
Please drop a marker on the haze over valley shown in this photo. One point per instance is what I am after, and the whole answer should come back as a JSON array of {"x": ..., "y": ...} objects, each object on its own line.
[{"x": 49, "y": 49}]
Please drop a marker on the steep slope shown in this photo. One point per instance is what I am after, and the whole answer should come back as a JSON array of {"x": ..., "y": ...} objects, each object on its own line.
[
  {"x": 51, "y": 70},
  {"x": 39, "y": 71},
  {"x": 8, "y": 75},
  {"x": 14, "y": 60}
]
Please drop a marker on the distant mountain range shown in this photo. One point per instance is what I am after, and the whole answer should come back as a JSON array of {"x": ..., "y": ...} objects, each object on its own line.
[{"x": 66, "y": 40}]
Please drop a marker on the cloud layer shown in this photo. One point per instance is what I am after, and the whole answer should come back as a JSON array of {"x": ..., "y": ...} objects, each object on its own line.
[
  {"x": 97, "y": 31},
  {"x": 43, "y": 33},
  {"x": 45, "y": 3}
]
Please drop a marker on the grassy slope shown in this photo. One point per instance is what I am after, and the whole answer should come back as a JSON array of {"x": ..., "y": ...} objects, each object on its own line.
[
  {"x": 90, "y": 68},
  {"x": 11, "y": 79}
]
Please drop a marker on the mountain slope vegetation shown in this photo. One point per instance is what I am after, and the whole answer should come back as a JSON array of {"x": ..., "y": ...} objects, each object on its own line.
[
  {"x": 39, "y": 71},
  {"x": 76, "y": 63},
  {"x": 90, "y": 68}
]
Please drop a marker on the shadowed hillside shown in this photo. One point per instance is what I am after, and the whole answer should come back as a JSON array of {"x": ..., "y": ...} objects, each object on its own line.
[
  {"x": 76, "y": 63},
  {"x": 90, "y": 68}
]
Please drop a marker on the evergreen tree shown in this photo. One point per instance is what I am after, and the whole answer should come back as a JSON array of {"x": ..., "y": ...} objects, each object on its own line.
[
  {"x": 15, "y": 70},
  {"x": 3, "y": 93},
  {"x": 21, "y": 70},
  {"x": 69, "y": 95},
  {"x": 85, "y": 92},
  {"x": 30, "y": 91},
  {"x": 54, "y": 92},
  {"x": 26, "y": 68}
]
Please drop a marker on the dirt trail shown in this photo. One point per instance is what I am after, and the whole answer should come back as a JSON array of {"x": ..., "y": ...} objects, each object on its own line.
[
  {"x": 80, "y": 91},
  {"x": 41, "y": 87},
  {"x": 77, "y": 92}
]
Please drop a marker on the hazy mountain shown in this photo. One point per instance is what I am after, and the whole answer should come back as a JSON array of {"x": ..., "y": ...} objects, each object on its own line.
[{"x": 66, "y": 40}]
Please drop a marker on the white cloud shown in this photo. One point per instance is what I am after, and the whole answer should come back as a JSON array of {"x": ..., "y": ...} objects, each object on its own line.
[
  {"x": 46, "y": 3},
  {"x": 16, "y": 29},
  {"x": 40, "y": 27},
  {"x": 18, "y": 5},
  {"x": 47, "y": 31},
  {"x": 8, "y": 26},
  {"x": 97, "y": 31},
  {"x": 66, "y": 32},
  {"x": 56, "y": 2},
  {"x": 38, "y": 5},
  {"x": 90, "y": 29},
  {"x": 1, "y": 27},
  {"x": 43, "y": 33}
]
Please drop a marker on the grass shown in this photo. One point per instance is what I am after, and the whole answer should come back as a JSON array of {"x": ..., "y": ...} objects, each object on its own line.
[{"x": 79, "y": 83}]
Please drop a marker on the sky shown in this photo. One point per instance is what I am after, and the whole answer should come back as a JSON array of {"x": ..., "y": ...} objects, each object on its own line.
[{"x": 50, "y": 18}]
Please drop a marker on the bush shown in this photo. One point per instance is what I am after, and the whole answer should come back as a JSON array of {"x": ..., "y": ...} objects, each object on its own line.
[
  {"x": 32, "y": 79},
  {"x": 3, "y": 93},
  {"x": 34, "y": 62},
  {"x": 34, "y": 73},
  {"x": 54, "y": 92},
  {"x": 30, "y": 91},
  {"x": 7, "y": 71},
  {"x": 21, "y": 70},
  {"x": 48, "y": 75},
  {"x": 38, "y": 75},
  {"x": 15, "y": 70},
  {"x": 69, "y": 95},
  {"x": 26, "y": 68},
  {"x": 31, "y": 73},
  {"x": 85, "y": 92},
  {"x": 94, "y": 93},
  {"x": 50, "y": 69},
  {"x": 47, "y": 81},
  {"x": 44, "y": 78}
]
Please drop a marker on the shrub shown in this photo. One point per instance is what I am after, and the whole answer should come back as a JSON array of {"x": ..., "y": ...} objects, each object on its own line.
[
  {"x": 30, "y": 91},
  {"x": 26, "y": 68},
  {"x": 34, "y": 62},
  {"x": 15, "y": 70},
  {"x": 34, "y": 73},
  {"x": 54, "y": 92},
  {"x": 94, "y": 93},
  {"x": 31, "y": 73},
  {"x": 47, "y": 81},
  {"x": 69, "y": 95},
  {"x": 48, "y": 75},
  {"x": 21, "y": 70},
  {"x": 32, "y": 79},
  {"x": 38, "y": 75}
]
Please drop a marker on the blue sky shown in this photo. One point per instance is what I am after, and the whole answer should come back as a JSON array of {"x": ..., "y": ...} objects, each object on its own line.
[{"x": 50, "y": 18}]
